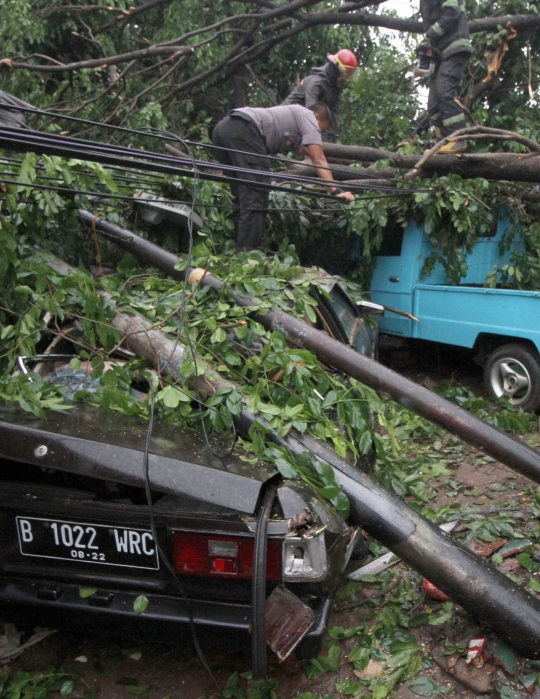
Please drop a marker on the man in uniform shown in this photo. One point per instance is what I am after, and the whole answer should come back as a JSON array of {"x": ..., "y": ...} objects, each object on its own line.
[
  {"x": 246, "y": 136},
  {"x": 325, "y": 84},
  {"x": 447, "y": 42}
]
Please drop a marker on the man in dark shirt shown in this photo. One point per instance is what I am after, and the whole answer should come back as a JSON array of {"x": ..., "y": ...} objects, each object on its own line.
[
  {"x": 447, "y": 38},
  {"x": 325, "y": 84},
  {"x": 246, "y": 137}
]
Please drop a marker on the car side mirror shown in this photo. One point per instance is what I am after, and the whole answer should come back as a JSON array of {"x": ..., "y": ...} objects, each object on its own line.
[{"x": 368, "y": 308}]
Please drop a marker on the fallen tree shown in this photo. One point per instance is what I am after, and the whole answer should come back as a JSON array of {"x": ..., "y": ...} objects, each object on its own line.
[{"x": 516, "y": 167}]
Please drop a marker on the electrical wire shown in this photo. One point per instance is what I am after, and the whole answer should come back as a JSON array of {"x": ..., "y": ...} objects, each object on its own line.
[
  {"x": 163, "y": 368},
  {"x": 158, "y": 133},
  {"x": 167, "y": 136},
  {"x": 148, "y": 160},
  {"x": 162, "y": 555},
  {"x": 158, "y": 163},
  {"x": 126, "y": 197}
]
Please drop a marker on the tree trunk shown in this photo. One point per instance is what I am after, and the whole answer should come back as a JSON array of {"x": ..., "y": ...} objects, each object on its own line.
[{"x": 517, "y": 167}]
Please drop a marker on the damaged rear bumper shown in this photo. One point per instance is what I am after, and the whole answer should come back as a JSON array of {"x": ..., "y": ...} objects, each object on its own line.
[{"x": 52, "y": 602}]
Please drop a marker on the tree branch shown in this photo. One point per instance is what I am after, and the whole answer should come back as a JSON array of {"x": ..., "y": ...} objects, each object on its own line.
[
  {"x": 477, "y": 132},
  {"x": 127, "y": 15},
  {"x": 99, "y": 62}
]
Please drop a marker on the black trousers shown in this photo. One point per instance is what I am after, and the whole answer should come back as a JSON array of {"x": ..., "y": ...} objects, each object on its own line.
[
  {"x": 443, "y": 110},
  {"x": 246, "y": 149}
]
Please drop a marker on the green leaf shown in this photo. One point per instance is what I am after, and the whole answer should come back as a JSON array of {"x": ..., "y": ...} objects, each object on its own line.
[
  {"x": 413, "y": 668},
  {"x": 350, "y": 688},
  {"x": 334, "y": 658},
  {"x": 169, "y": 396},
  {"x": 509, "y": 693},
  {"x": 137, "y": 689},
  {"x": 219, "y": 335},
  {"x": 268, "y": 409},
  {"x": 75, "y": 364},
  {"x": 365, "y": 442},
  {"x": 140, "y": 604},
  {"x": 339, "y": 632},
  {"x": 286, "y": 469},
  {"x": 534, "y": 584},
  {"x": 67, "y": 688},
  {"x": 439, "y": 618},
  {"x": 313, "y": 668},
  {"x": 359, "y": 653},
  {"x": 423, "y": 686},
  {"x": 381, "y": 691},
  {"x": 85, "y": 592},
  {"x": 527, "y": 562},
  {"x": 7, "y": 332},
  {"x": 419, "y": 619},
  {"x": 292, "y": 412}
]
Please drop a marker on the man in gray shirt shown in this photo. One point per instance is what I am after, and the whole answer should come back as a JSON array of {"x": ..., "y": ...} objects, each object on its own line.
[{"x": 246, "y": 137}]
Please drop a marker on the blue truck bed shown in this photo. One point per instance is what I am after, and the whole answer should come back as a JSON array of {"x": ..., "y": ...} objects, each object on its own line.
[{"x": 469, "y": 315}]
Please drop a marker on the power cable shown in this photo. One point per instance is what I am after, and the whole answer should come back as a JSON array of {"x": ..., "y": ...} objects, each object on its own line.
[
  {"x": 158, "y": 133},
  {"x": 162, "y": 554},
  {"x": 167, "y": 136},
  {"x": 125, "y": 197},
  {"x": 148, "y": 160}
]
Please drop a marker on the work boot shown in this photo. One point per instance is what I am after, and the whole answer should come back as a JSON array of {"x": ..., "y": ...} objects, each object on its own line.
[{"x": 452, "y": 147}]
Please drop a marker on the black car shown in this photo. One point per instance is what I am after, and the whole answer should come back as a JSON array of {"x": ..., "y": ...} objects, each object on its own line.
[{"x": 79, "y": 539}]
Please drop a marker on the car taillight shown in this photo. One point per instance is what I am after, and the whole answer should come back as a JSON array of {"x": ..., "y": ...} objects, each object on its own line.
[
  {"x": 305, "y": 559},
  {"x": 222, "y": 556}
]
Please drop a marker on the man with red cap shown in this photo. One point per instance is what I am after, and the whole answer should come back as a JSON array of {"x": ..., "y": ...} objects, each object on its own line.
[{"x": 325, "y": 84}]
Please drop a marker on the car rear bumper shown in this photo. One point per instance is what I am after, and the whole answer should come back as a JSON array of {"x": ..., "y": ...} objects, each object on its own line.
[{"x": 53, "y": 602}]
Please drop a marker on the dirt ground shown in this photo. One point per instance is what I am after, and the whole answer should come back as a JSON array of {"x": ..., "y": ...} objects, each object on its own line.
[{"x": 121, "y": 667}]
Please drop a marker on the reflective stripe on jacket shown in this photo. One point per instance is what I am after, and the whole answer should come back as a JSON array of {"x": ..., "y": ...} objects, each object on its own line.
[{"x": 446, "y": 26}]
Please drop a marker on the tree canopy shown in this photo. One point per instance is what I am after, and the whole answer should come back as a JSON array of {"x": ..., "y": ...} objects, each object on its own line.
[{"x": 180, "y": 65}]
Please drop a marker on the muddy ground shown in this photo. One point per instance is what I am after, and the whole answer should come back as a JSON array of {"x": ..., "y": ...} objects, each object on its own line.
[{"x": 120, "y": 667}]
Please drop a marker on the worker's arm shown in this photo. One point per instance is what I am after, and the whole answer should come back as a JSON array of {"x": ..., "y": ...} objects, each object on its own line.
[
  {"x": 313, "y": 90},
  {"x": 316, "y": 153},
  {"x": 447, "y": 22}
]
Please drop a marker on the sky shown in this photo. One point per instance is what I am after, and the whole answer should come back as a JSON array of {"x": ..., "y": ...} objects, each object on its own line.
[{"x": 404, "y": 8}]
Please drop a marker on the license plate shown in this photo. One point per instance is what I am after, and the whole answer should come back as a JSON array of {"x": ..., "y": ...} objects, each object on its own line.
[{"x": 87, "y": 543}]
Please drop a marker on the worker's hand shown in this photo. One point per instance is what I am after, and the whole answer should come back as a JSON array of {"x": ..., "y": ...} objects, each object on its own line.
[{"x": 347, "y": 197}]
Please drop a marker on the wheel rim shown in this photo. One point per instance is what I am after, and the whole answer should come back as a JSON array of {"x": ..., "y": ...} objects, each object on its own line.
[{"x": 510, "y": 377}]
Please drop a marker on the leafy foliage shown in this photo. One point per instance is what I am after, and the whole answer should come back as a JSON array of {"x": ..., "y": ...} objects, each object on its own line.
[{"x": 40, "y": 685}]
